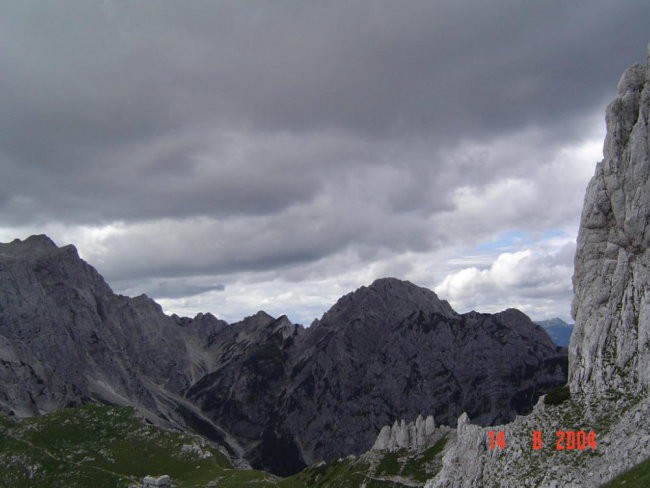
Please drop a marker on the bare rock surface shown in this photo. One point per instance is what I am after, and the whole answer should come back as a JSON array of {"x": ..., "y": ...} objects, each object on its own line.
[
  {"x": 414, "y": 436},
  {"x": 371, "y": 360}
]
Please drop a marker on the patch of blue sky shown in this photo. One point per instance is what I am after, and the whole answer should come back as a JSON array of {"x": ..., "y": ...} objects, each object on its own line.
[
  {"x": 549, "y": 234},
  {"x": 505, "y": 241},
  {"x": 517, "y": 239}
]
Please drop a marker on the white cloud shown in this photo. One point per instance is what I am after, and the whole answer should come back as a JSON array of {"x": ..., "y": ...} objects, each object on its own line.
[{"x": 536, "y": 279}]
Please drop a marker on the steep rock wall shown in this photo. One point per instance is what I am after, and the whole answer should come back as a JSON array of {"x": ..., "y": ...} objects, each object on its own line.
[{"x": 610, "y": 347}]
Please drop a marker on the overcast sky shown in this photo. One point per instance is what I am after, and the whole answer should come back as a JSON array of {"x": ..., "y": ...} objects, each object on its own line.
[{"x": 228, "y": 157}]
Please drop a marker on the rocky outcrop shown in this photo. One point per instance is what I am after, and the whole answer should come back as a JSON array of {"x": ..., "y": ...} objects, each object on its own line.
[
  {"x": 609, "y": 353},
  {"x": 414, "y": 436}
]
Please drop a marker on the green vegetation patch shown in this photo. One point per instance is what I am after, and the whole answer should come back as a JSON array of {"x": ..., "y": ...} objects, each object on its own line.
[
  {"x": 101, "y": 446},
  {"x": 420, "y": 468},
  {"x": 390, "y": 464},
  {"x": 558, "y": 395},
  {"x": 637, "y": 477},
  {"x": 344, "y": 473},
  {"x": 238, "y": 478},
  {"x": 112, "y": 447}
]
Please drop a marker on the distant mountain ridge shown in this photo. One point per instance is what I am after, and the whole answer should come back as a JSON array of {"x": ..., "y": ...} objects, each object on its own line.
[
  {"x": 558, "y": 330},
  {"x": 274, "y": 393}
]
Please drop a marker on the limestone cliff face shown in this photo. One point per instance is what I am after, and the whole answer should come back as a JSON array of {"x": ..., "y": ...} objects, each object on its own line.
[{"x": 610, "y": 347}]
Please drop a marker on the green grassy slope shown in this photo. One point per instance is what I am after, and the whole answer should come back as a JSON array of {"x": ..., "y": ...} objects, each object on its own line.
[
  {"x": 102, "y": 446},
  {"x": 111, "y": 447},
  {"x": 637, "y": 477},
  {"x": 378, "y": 470}
]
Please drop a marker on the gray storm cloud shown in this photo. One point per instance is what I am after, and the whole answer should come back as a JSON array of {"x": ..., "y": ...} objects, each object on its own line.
[{"x": 226, "y": 137}]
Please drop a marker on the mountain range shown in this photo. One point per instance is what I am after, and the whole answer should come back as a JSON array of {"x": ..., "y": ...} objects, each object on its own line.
[{"x": 274, "y": 394}]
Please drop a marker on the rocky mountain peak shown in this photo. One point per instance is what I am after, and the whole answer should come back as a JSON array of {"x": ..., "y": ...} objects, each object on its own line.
[
  {"x": 66, "y": 338},
  {"x": 285, "y": 328},
  {"x": 260, "y": 318},
  {"x": 253, "y": 325},
  {"x": 401, "y": 293},
  {"x": 553, "y": 322},
  {"x": 395, "y": 291},
  {"x": 386, "y": 301},
  {"x": 38, "y": 246},
  {"x": 520, "y": 322},
  {"x": 206, "y": 323},
  {"x": 36, "y": 241},
  {"x": 391, "y": 350},
  {"x": 35, "y": 244},
  {"x": 610, "y": 346}
]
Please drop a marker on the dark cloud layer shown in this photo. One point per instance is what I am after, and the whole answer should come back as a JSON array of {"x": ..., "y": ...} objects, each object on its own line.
[
  {"x": 241, "y": 136},
  {"x": 127, "y": 98}
]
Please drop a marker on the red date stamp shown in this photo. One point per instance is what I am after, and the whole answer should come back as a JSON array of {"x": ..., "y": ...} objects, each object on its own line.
[
  {"x": 565, "y": 440},
  {"x": 497, "y": 439}
]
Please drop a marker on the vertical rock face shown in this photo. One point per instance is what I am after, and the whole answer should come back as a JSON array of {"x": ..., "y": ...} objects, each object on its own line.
[{"x": 610, "y": 346}]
